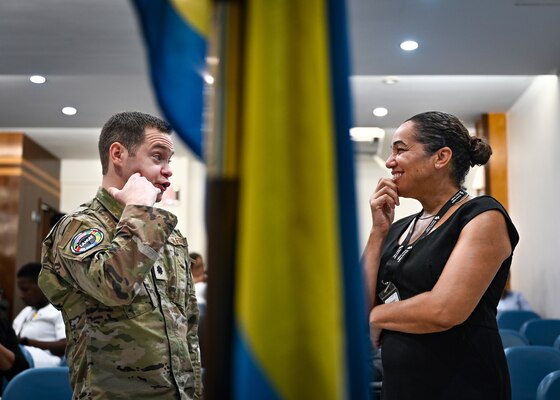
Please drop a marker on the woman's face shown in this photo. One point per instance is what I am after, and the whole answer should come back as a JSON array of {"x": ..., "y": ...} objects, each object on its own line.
[{"x": 410, "y": 166}]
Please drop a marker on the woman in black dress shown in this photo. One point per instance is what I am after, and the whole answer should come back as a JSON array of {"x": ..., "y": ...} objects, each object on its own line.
[{"x": 435, "y": 278}]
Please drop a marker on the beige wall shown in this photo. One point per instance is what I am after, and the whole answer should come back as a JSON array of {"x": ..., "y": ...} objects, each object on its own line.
[{"x": 534, "y": 190}]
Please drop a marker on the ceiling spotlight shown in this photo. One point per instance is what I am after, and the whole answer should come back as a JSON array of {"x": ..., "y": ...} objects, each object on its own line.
[
  {"x": 209, "y": 79},
  {"x": 212, "y": 60},
  {"x": 409, "y": 45},
  {"x": 39, "y": 79},
  {"x": 69, "y": 111},
  {"x": 390, "y": 80},
  {"x": 380, "y": 111},
  {"x": 366, "y": 134}
]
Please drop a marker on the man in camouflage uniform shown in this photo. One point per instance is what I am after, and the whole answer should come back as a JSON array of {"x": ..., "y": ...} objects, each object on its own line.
[{"x": 118, "y": 270}]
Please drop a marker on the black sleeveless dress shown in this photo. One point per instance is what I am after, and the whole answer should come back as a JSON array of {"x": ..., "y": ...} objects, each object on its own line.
[{"x": 465, "y": 362}]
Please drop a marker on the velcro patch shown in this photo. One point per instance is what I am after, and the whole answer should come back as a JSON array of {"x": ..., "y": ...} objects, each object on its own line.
[{"x": 86, "y": 240}]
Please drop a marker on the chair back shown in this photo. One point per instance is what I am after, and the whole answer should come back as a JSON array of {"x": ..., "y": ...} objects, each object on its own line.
[
  {"x": 542, "y": 332},
  {"x": 27, "y": 356},
  {"x": 549, "y": 388},
  {"x": 51, "y": 383},
  {"x": 513, "y": 319},
  {"x": 528, "y": 365},
  {"x": 511, "y": 337},
  {"x": 557, "y": 343}
]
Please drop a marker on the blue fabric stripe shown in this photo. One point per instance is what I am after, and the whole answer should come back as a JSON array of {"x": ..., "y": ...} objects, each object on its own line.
[
  {"x": 354, "y": 293},
  {"x": 248, "y": 381},
  {"x": 177, "y": 56}
]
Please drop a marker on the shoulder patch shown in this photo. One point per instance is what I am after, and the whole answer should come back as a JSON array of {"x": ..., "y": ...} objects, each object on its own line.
[{"x": 85, "y": 240}]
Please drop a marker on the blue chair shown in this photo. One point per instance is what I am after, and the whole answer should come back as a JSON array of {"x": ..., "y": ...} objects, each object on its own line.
[
  {"x": 27, "y": 356},
  {"x": 511, "y": 337},
  {"x": 542, "y": 332},
  {"x": 549, "y": 388},
  {"x": 513, "y": 319},
  {"x": 557, "y": 343},
  {"x": 40, "y": 383},
  {"x": 528, "y": 365}
]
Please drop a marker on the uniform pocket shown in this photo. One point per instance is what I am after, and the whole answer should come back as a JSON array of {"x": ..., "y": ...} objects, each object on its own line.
[{"x": 144, "y": 301}]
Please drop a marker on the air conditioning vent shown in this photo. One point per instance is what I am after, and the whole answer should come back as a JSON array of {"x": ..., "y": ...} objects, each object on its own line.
[{"x": 367, "y": 148}]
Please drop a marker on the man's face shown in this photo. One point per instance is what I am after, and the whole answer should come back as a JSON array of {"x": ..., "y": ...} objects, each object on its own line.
[
  {"x": 31, "y": 293},
  {"x": 152, "y": 159}
]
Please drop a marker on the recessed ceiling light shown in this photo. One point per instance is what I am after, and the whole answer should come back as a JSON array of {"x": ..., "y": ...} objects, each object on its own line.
[
  {"x": 380, "y": 111},
  {"x": 409, "y": 45},
  {"x": 69, "y": 111},
  {"x": 366, "y": 134},
  {"x": 212, "y": 60},
  {"x": 390, "y": 80},
  {"x": 209, "y": 79},
  {"x": 37, "y": 79}
]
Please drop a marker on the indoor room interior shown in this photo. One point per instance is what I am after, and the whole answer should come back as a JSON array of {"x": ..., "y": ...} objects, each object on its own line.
[{"x": 484, "y": 61}]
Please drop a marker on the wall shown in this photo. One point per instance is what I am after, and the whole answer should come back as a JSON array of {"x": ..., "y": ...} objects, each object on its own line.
[
  {"x": 80, "y": 180},
  {"x": 533, "y": 163}
]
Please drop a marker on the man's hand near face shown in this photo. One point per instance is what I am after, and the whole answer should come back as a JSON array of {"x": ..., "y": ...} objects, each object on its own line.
[{"x": 137, "y": 191}]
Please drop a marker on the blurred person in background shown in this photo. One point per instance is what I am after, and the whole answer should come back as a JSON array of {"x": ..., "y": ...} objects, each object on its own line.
[{"x": 39, "y": 326}]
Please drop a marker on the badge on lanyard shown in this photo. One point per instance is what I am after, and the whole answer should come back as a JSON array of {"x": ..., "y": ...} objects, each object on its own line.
[
  {"x": 161, "y": 274},
  {"x": 390, "y": 294}
]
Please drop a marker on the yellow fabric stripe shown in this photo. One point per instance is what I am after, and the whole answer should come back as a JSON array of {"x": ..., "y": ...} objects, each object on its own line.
[
  {"x": 289, "y": 283},
  {"x": 195, "y": 12}
]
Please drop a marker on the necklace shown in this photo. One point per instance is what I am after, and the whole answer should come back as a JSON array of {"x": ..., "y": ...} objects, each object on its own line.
[{"x": 426, "y": 217}]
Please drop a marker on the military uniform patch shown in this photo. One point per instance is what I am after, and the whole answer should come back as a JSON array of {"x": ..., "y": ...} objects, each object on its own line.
[
  {"x": 86, "y": 240},
  {"x": 161, "y": 274}
]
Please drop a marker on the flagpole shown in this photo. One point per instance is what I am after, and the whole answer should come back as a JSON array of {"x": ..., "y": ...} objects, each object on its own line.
[{"x": 224, "y": 141}]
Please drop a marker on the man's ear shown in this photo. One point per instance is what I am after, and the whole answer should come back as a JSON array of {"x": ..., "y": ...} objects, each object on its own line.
[
  {"x": 443, "y": 157},
  {"x": 117, "y": 154}
]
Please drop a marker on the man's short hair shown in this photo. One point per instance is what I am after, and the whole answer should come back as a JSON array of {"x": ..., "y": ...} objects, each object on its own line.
[
  {"x": 30, "y": 270},
  {"x": 128, "y": 129}
]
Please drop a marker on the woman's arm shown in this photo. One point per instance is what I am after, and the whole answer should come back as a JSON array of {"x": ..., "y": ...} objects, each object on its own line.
[
  {"x": 382, "y": 204},
  {"x": 7, "y": 358},
  {"x": 482, "y": 247}
]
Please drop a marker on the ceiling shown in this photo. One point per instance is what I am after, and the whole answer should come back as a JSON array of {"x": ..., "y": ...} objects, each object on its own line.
[{"x": 475, "y": 56}]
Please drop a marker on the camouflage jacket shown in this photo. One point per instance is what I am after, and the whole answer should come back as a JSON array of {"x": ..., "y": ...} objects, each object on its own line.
[{"x": 122, "y": 280}]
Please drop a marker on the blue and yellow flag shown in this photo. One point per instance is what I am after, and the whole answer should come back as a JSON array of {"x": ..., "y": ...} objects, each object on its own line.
[
  {"x": 281, "y": 149},
  {"x": 176, "y": 33}
]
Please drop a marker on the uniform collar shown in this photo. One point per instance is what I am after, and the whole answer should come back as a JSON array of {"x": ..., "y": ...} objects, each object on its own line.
[{"x": 110, "y": 203}]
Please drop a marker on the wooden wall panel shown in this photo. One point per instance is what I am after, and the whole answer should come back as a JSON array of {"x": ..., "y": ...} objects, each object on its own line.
[
  {"x": 493, "y": 128},
  {"x": 9, "y": 221},
  {"x": 29, "y": 176}
]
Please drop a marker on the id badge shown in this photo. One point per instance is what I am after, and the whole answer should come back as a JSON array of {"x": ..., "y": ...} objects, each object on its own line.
[{"x": 390, "y": 294}]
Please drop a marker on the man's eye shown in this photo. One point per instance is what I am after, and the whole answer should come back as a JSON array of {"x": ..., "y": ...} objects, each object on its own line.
[{"x": 158, "y": 157}]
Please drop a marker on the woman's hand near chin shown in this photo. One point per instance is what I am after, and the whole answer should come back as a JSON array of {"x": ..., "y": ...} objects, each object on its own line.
[{"x": 382, "y": 205}]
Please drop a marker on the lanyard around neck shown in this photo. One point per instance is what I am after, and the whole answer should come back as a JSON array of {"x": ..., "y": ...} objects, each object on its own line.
[{"x": 405, "y": 248}]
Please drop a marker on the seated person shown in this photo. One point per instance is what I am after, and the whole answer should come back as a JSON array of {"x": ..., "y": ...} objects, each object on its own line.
[
  {"x": 12, "y": 361},
  {"x": 39, "y": 326},
  {"x": 199, "y": 277},
  {"x": 512, "y": 300}
]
